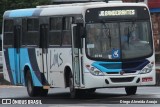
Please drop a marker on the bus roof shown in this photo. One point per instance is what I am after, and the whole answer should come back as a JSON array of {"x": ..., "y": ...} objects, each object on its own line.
[{"x": 63, "y": 9}]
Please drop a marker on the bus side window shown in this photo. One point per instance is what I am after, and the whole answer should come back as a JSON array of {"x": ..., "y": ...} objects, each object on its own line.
[
  {"x": 32, "y": 32},
  {"x": 8, "y": 32},
  {"x": 55, "y": 31},
  {"x": 66, "y": 35}
]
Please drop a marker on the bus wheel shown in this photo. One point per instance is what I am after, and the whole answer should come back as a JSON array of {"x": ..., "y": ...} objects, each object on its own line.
[
  {"x": 29, "y": 83},
  {"x": 131, "y": 90},
  {"x": 32, "y": 90},
  {"x": 73, "y": 92}
]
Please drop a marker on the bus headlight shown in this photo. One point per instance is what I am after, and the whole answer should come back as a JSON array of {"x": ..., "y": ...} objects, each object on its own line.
[
  {"x": 147, "y": 69},
  {"x": 95, "y": 71}
]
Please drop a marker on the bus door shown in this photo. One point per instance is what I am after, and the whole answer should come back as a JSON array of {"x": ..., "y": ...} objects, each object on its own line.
[
  {"x": 17, "y": 44},
  {"x": 44, "y": 45},
  {"x": 77, "y": 59}
]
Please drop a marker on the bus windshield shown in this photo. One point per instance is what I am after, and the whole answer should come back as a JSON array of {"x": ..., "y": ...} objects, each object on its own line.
[{"x": 119, "y": 40}]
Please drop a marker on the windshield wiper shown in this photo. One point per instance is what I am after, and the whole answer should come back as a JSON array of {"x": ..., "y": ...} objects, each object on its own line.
[
  {"x": 107, "y": 33},
  {"x": 128, "y": 36},
  {"x": 109, "y": 37}
]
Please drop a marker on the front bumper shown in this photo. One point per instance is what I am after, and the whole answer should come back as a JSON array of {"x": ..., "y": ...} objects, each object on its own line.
[{"x": 91, "y": 81}]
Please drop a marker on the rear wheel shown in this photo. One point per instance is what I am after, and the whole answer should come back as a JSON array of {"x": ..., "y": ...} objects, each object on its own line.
[
  {"x": 29, "y": 83},
  {"x": 131, "y": 90},
  {"x": 32, "y": 90}
]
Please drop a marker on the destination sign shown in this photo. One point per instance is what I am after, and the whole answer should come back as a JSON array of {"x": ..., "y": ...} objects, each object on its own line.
[
  {"x": 117, "y": 13},
  {"x": 95, "y": 15}
]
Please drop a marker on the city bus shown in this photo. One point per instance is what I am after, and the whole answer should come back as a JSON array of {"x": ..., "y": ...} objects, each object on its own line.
[{"x": 83, "y": 46}]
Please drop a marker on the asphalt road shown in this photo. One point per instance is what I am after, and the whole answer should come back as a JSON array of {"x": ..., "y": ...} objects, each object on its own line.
[{"x": 59, "y": 97}]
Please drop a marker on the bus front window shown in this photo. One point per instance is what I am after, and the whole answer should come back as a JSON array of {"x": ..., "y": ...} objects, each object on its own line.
[
  {"x": 102, "y": 38},
  {"x": 138, "y": 39},
  {"x": 124, "y": 40}
]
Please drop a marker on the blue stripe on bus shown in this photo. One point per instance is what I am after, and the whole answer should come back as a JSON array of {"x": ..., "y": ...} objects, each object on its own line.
[
  {"x": 11, "y": 55},
  {"x": 24, "y": 61},
  {"x": 128, "y": 67},
  {"x": 6, "y": 57},
  {"x": 21, "y": 13},
  {"x": 34, "y": 64},
  {"x": 108, "y": 66}
]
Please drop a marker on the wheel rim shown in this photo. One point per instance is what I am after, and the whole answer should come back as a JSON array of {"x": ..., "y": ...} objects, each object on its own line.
[{"x": 29, "y": 85}]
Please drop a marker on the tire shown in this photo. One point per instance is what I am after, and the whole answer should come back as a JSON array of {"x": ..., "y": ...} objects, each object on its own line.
[
  {"x": 32, "y": 90},
  {"x": 131, "y": 90},
  {"x": 29, "y": 83},
  {"x": 74, "y": 93}
]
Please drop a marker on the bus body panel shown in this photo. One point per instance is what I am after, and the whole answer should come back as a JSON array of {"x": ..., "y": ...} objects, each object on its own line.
[
  {"x": 59, "y": 59},
  {"x": 6, "y": 67},
  {"x": 100, "y": 82},
  {"x": 119, "y": 80},
  {"x": 26, "y": 59}
]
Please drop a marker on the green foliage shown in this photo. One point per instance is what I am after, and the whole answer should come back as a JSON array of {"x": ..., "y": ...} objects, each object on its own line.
[{"x": 18, "y": 4}]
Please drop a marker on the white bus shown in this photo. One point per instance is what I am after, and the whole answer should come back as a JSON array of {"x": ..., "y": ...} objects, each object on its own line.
[{"x": 83, "y": 46}]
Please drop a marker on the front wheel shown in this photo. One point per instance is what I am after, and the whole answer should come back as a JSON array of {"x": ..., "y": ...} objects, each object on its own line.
[
  {"x": 75, "y": 93},
  {"x": 131, "y": 90}
]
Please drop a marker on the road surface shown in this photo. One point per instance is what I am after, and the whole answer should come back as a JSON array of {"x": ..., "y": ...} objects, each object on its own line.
[{"x": 59, "y": 97}]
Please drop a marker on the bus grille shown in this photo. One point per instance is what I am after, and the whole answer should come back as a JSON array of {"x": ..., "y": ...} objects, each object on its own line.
[
  {"x": 112, "y": 66},
  {"x": 126, "y": 79},
  {"x": 127, "y": 72}
]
